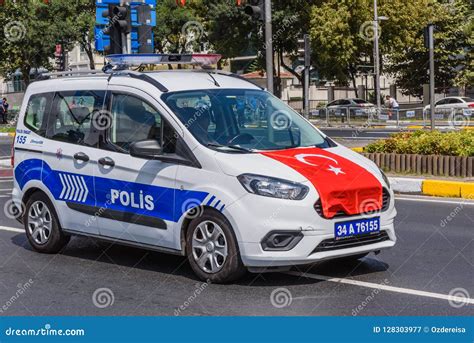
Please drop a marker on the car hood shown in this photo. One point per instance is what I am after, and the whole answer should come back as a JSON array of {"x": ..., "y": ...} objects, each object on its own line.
[{"x": 261, "y": 164}]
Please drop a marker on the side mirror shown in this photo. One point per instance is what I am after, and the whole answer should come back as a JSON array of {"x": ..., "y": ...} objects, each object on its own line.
[{"x": 148, "y": 149}]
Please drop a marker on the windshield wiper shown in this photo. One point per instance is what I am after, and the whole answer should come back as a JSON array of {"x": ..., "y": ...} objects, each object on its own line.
[{"x": 235, "y": 147}]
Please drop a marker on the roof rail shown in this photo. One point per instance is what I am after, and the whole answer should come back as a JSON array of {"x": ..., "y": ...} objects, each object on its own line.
[
  {"x": 69, "y": 73},
  {"x": 140, "y": 76}
]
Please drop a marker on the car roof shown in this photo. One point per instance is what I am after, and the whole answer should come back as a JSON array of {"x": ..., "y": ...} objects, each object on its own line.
[{"x": 173, "y": 81}]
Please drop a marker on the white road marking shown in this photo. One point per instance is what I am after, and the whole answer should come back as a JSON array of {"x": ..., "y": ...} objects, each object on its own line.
[
  {"x": 383, "y": 287},
  {"x": 5, "y": 196},
  {"x": 436, "y": 200},
  {"x": 11, "y": 229}
]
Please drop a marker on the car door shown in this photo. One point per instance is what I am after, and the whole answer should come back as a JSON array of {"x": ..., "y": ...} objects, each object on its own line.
[
  {"x": 135, "y": 196},
  {"x": 70, "y": 157}
]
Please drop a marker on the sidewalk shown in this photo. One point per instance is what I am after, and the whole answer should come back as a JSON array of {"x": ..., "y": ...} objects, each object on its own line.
[{"x": 432, "y": 187}]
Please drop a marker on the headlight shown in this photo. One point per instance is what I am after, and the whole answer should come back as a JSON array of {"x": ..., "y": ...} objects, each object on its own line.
[
  {"x": 385, "y": 178},
  {"x": 273, "y": 187}
]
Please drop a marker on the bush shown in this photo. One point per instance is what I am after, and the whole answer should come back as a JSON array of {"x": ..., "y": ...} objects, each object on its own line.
[{"x": 458, "y": 143}]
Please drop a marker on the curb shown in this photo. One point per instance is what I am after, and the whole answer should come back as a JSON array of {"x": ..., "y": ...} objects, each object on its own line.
[
  {"x": 5, "y": 163},
  {"x": 7, "y": 134},
  {"x": 439, "y": 188}
]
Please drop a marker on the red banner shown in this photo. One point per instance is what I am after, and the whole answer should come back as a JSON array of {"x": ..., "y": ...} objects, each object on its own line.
[{"x": 343, "y": 186}]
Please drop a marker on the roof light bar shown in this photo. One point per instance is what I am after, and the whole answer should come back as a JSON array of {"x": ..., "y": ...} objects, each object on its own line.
[{"x": 139, "y": 59}]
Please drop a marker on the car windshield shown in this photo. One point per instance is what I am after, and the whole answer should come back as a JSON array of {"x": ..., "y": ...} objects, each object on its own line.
[{"x": 240, "y": 120}]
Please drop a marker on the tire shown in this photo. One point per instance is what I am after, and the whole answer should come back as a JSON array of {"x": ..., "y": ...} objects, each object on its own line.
[
  {"x": 43, "y": 230},
  {"x": 211, "y": 234}
]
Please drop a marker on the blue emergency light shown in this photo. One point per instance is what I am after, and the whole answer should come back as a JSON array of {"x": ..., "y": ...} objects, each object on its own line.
[{"x": 128, "y": 60}]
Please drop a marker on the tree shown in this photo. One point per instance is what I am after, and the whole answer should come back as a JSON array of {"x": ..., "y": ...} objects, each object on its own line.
[
  {"x": 174, "y": 23},
  {"x": 341, "y": 38},
  {"x": 407, "y": 58},
  {"x": 32, "y": 32},
  {"x": 82, "y": 13},
  {"x": 28, "y": 40}
]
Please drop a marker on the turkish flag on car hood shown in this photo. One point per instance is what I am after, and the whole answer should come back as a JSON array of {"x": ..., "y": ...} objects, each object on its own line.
[{"x": 343, "y": 186}]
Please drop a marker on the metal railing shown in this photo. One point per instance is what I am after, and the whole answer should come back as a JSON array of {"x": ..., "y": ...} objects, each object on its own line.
[{"x": 363, "y": 117}]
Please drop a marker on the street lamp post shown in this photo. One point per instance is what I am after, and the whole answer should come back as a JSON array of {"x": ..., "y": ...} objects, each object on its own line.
[
  {"x": 269, "y": 44},
  {"x": 377, "y": 56}
]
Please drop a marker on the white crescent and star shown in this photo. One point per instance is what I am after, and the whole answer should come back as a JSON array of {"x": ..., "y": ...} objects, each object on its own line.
[{"x": 335, "y": 170}]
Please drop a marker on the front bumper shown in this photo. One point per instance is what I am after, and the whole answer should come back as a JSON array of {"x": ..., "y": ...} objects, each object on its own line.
[
  {"x": 306, "y": 250},
  {"x": 254, "y": 218}
]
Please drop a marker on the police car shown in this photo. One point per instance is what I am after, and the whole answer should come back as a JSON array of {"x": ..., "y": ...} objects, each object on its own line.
[{"x": 194, "y": 162}]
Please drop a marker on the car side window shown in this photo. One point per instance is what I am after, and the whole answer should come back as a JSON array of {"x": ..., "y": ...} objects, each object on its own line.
[
  {"x": 73, "y": 117},
  {"x": 441, "y": 102},
  {"x": 37, "y": 111},
  {"x": 134, "y": 119}
]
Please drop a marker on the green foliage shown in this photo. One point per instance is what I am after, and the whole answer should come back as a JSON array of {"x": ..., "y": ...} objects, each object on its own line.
[
  {"x": 406, "y": 54},
  {"x": 342, "y": 37},
  {"x": 30, "y": 32},
  {"x": 459, "y": 143},
  {"x": 170, "y": 37}
]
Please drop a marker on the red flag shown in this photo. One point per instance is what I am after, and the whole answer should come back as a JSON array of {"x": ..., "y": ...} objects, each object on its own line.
[{"x": 343, "y": 185}]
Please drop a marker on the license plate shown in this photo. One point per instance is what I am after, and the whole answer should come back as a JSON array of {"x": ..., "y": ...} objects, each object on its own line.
[{"x": 357, "y": 227}]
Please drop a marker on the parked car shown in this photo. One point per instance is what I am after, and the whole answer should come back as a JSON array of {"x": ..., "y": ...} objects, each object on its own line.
[
  {"x": 157, "y": 160},
  {"x": 454, "y": 102},
  {"x": 357, "y": 107}
]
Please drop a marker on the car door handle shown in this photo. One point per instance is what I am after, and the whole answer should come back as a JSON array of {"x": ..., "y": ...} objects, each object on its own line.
[
  {"x": 80, "y": 156},
  {"x": 106, "y": 161}
]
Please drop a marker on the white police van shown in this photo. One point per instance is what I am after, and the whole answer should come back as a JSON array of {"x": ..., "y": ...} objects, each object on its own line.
[{"x": 194, "y": 162}]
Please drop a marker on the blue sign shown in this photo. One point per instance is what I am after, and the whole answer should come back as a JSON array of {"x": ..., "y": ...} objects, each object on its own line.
[
  {"x": 237, "y": 329},
  {"x": 102, "y": 40}
]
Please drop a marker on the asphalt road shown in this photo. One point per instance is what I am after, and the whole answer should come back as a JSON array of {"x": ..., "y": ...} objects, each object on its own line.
[
  {"x": 5, "y": 146},
  {"x": 430, "y": 261}
]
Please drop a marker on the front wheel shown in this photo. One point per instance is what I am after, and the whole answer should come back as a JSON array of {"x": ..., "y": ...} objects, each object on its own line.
[{"x": 212, "y": 249}]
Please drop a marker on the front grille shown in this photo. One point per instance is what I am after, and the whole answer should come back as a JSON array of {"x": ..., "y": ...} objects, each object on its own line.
[
  {"x": 385, "y": 204},
  {"x": 351, "y": 242}
]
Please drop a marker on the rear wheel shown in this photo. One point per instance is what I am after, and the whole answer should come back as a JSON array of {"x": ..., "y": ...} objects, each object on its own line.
[
  {"x": 212, "y": 249},
  {"x": 42, "y": 225}
]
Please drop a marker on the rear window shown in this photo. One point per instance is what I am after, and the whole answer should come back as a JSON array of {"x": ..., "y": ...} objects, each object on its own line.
[
  {"x": 37, "y": 111},
  {"x": 468, "y": 99}
]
